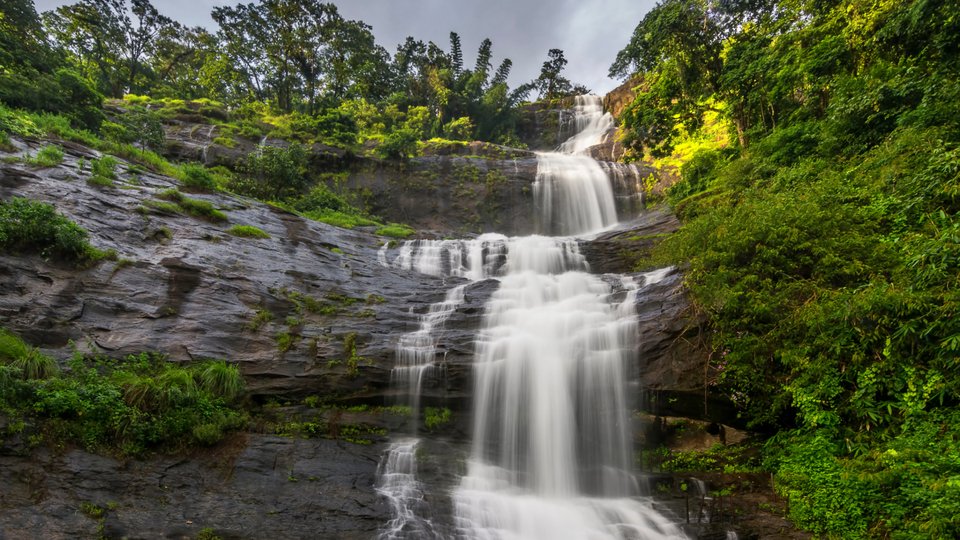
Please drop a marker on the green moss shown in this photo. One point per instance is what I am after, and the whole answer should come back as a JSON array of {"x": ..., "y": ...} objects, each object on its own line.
[
  {"x": 340, "y": 219},
  {"x": 195, "y": 207},
  {"x": 285, "y": 341},
  {"x": 247, "y": 231},
  {"x": 395, "y": 230},
  {"x": 260, "y": 318},
  {"x": 436, "y": 417}
]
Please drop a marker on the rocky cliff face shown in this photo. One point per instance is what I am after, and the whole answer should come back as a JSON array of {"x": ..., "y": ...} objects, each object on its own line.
[
  {"x": 618, "y": 98},
  {"x": 286, "y": 309}
]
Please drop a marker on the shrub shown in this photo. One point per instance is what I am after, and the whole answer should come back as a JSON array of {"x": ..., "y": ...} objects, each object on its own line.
[
  {"x": 132, "y": 405},
  {"x": 320, "y": 198},
  {"x": 272, "y": 172},
  {"x": 401, "y": 144},
  {"x": 105, "y": 167},
  {"x": 460, "y": 129},
  {"x": 247, "y": 231},
  {"x": 434, "y": 417},
  {"x": 50, "y": 155},
  {"x": 221, "y": 379},
  {"x": 28, "y": 361},
  {"x": 196, "y": 177},
  {"x": 12, "y": 347},
  {"x": 33, "y": 227}
]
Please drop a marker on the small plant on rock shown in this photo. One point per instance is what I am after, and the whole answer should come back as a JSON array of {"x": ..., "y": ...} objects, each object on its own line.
[{"x": 50, "y": 155}]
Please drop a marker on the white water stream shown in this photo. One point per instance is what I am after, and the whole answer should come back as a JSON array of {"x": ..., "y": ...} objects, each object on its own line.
[{"x": 552, "y": 452}]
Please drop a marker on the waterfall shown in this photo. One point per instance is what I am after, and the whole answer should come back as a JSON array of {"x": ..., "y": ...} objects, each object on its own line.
[
  {"x": 572, "y": 190},
  {"x": 551, "y": 454}
]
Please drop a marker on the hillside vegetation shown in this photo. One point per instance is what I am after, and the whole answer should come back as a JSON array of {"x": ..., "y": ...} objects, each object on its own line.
[{"x": 821, "y": 242}]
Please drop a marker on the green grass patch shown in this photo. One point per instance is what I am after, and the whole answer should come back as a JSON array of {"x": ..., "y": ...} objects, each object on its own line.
[
  {"x": 260, "y": 318},
  {"x": 5, "y": 143},
  {"x": 196, "y": 178},
  {"x": 194, "y": 207},
  {"x": 50, "y": 155},
  {"x": 340, "y": 219},
  {"x": 395, "y": 230},
  {"x": 247, "y": 231},
  {"x": 228, "y": 142},
  {"x": 100, "y": 181}
]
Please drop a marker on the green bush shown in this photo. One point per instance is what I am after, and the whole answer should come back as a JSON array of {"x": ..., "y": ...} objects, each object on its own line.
[
  {"x": 696, "y": 174},
  {"x": 33, "y": 227},
  {"x": 196, "y": 177},
  {"x": 435, "y": 417},
  {"x": 247, "y": 231},
  {"x": 400, "y": 144},
  {"x": 321, "y": 198},
  {"x": 50, "y": 155},
  {"x": 104, "y": 167},
  {"x": 272, "y": 173},
  {"x": 133, "y": 405},
  {"x": 460, "y": 129}
]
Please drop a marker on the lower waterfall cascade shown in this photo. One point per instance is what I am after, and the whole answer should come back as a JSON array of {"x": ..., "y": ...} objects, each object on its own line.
[{"x": 551, "y": 454}]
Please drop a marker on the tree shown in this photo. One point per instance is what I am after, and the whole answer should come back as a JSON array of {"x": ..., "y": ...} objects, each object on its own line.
[
  {"x": 110, "y": 47},
  {"x": 551, "y": 83},
  {"x": 141, "y": 35},
  {"x": 296, "y": 51},
  {"x": 274, "y": 172},
  {"x": 456, "y": 54}
]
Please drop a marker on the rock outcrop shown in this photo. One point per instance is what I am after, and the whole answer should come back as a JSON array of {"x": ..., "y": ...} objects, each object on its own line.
[
  {"x": 250, "y": 486},
  {"x": 308, "y": 311},
  {"x": 618, "y": 98}
]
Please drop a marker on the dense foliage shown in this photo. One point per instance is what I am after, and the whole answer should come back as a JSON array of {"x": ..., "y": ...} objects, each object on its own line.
[
  {"x": 822, "y": 243},
  {"x": 126, "y": 407},
  {"x": 288, "y": 57},
  {"x": 30, "y": 227}
]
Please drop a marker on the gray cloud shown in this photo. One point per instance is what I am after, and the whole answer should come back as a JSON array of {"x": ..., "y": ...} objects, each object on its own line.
[{"x": 589, "y": 32}]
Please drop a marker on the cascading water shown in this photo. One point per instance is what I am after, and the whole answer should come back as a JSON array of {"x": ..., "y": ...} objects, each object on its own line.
[{"x": 551, "y": 454}]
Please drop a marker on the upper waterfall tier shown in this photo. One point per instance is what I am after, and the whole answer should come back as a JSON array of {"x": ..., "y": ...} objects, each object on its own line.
[
  {"x": 573, "y": 192},
  {"x": 591, "y": 125}
]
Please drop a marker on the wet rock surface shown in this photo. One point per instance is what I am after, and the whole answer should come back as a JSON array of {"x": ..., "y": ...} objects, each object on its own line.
[
  {"x": 185, "y": 287},
  {"x": 251, "y": 486},
  {"x": 451, "y": 194}
]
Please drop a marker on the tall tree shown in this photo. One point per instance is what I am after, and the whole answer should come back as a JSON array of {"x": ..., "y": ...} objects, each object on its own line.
[
  {"x": 551, "y": 83},
  {"x": 456, "y": 54}
]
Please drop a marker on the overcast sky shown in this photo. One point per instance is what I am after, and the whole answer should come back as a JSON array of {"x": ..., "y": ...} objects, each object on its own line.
[{"x": 590, "y": 32}]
